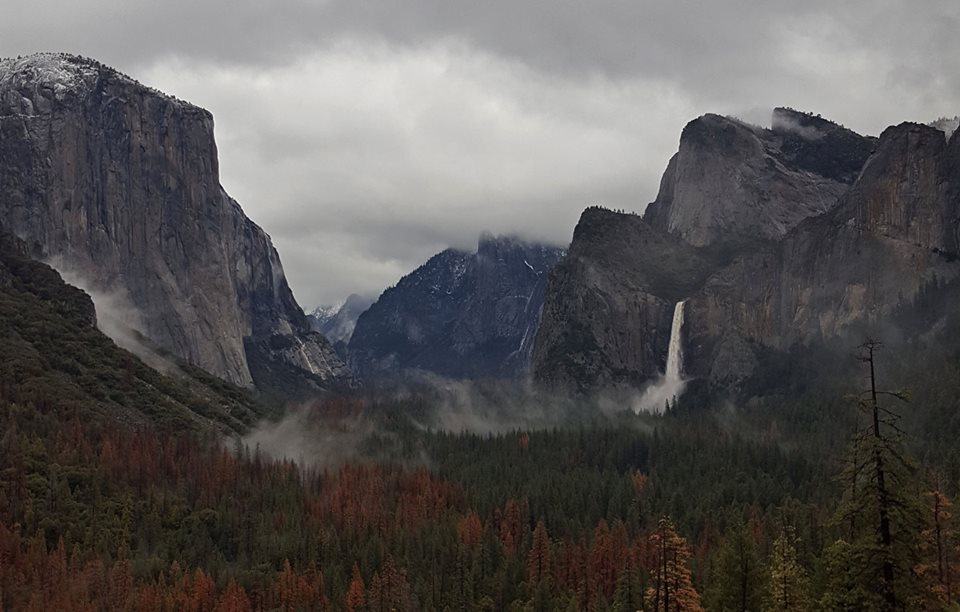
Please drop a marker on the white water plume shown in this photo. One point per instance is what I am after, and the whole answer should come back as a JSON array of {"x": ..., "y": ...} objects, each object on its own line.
[{"x": 671, "y": 384}]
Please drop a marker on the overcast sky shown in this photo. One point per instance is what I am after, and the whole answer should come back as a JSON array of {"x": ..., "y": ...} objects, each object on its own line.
[{"x": 366, "y": 135}]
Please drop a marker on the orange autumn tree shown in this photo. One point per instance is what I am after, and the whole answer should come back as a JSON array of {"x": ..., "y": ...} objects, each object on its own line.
[
  {"x": 355, "y": 593},
  {"x": 511, "y": 520},
  {"x": 601, "y": 562},
  {"x": 234, "y": 599},
  {"x": 470, "y": 530},
  {"x": 292, "y": 591},
  {"x": 672, "y": 589}
]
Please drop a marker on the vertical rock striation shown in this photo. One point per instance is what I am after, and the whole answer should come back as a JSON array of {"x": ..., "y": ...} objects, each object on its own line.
[
  {"x": 769, "y": 260},
  {"x": 609, "y": 303},
  {"x": 119, "y": 184}
]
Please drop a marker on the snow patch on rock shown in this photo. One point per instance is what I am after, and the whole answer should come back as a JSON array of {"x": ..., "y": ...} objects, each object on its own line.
[{"x": 59, "y": 71}]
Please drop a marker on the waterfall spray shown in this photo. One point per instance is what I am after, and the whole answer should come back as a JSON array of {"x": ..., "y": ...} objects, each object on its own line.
[
  {"x": 671, "y": 383},
  {"x": 675, "y": 350}
]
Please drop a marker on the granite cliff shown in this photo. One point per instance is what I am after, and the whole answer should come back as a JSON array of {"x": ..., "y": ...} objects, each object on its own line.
[
  {"x": 609, "y": 302},
  {"x": 844, "y": 273},
  {"x": 731, "y": 182},
  {"x": 118, "y": 184},
  {"x": 798, "y": 234}
]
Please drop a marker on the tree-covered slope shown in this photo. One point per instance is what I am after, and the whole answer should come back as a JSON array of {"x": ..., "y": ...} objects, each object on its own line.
[{"x": 52, "y": 353}]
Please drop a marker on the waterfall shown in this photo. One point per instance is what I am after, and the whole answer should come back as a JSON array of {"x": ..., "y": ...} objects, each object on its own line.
[
  {"x": 675, "y": 351},
  {"x": 671, "y": 383}
]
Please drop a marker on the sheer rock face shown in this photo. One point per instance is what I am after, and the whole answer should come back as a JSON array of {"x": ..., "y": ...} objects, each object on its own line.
[
  {"x": 609, "y": 303},
  {"x": 119, "y": 184},
  {"x": 895, "y": 228},
  {"x": 839, "y": 273},
  {"x": 732, "y": 182},
  {"x": 461, "y": 315},
  {"x": 846, "y": 271}
]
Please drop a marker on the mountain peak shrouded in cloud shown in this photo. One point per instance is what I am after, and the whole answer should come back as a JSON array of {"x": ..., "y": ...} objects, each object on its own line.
[
  {"x": 46, "y": 77},
  {"x": 460, "y": 315},
  {"x": 60, "y": 73}
]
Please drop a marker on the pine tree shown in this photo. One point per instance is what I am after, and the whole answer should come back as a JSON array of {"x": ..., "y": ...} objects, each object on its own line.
[
  {"x": 788, "y": 583},
  {"x": 883, "y": 516},
  {"x": 672, "y": 589},
  {"x": 938, "y": 550},
  {"x": 738, "y": 583},
  {"x": 470, "y": 530},
  {"x": 538, "y": 561},
  {"x": 234, "y": 599},
  {"x": 629, "y": 593},
  {"x": 601, "y": 567},
  {"x": 844, "y": 590},
  {"x": 355, "y": 592}
]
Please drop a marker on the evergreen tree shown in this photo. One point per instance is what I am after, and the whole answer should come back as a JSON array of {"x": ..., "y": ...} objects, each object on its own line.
[
  {"x": 938, "y": 551},
  {"x": 884, "y": 517},
  {"x": 355, "y": 593},
  {"x": 788, "y": 583},
  {"x": 844, "y": 591},
  {"x": 672, "y": 589},
  {"x": 538, "y": 561},
  {"x": 628, "y": 596},
  {"x": 738, "y": 583}
]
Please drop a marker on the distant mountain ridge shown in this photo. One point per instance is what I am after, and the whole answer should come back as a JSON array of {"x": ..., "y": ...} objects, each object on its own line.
[
  {"x": 337, "y": 321},
  {"x": 460, "y": 315},
  {"x": 120, "y": 184}
]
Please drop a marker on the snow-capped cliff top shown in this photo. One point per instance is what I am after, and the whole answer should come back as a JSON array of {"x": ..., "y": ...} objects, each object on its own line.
[
  {"x": 60, "y": 71},
  {"x": 65, "y": 73}
]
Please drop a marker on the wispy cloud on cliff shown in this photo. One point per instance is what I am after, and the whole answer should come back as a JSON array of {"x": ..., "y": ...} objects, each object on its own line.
[{"x": 117, "y": 317}]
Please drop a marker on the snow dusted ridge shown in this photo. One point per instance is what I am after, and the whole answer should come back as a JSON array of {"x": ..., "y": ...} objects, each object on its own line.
[
  {"x": 325, "y": 312},
  {"x": 62, "y": 74}
]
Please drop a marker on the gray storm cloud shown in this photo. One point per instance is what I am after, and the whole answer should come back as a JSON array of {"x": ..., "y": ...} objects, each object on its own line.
[{"x": 366, "y": 136}]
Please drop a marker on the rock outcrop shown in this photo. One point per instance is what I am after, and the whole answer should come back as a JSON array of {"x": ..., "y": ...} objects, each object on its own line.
[
  {"x": 609, "y": 303},
  {"x": 460, "y": 315},
  {"x": 119, "y": 184},
  {"x": 896, "y": 227},
  {"x": 732, "y": 183},
  {"x": 841, "y": 272},
  {"x": 847, "y": 271}
]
